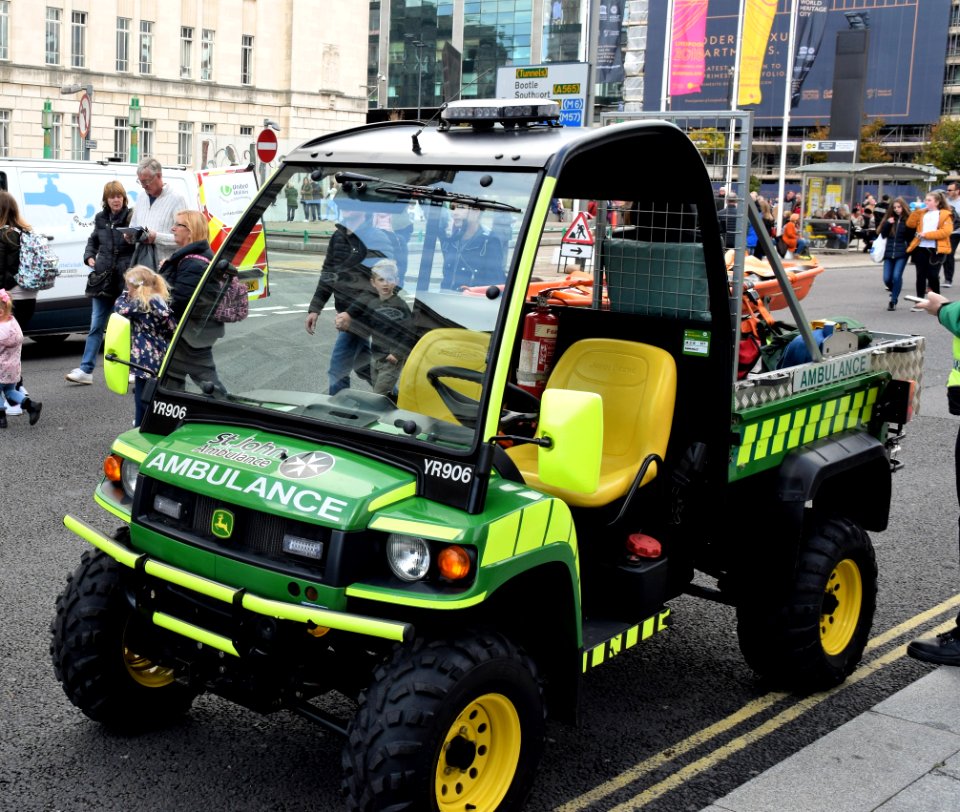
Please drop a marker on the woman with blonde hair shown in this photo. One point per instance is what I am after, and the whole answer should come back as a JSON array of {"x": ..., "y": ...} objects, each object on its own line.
[
  {"x": 183, "y": 272},
  {"x": 107, "y": 255}
]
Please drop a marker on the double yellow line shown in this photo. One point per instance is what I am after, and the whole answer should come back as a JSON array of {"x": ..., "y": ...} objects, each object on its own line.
[{"x": 590, "y": 799}]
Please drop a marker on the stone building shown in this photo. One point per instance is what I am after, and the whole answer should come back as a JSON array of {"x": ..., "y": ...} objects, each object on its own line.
[{"x": 205, "y": 75}]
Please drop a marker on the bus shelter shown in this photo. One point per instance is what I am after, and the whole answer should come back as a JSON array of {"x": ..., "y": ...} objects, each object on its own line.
[{"x": 829, "y": 187}]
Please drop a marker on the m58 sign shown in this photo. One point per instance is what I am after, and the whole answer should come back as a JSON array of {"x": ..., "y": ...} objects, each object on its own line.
[{"x": 565, "y": 83}]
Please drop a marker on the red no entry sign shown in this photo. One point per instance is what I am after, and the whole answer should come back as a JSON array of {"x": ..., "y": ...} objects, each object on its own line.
[{"x": 267, "y": 146}]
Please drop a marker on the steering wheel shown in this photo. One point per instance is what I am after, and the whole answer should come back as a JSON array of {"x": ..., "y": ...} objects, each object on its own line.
[{"x": 465, "y": 409}]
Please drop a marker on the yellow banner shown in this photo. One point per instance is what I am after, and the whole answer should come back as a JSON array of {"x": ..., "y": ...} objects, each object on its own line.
[{"x": 757, "y": 21}]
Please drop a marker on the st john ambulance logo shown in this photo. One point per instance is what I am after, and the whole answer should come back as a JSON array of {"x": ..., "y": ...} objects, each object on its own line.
[
  {"x": 306, "y": 465},
  {"x": 221, "y": 525}
]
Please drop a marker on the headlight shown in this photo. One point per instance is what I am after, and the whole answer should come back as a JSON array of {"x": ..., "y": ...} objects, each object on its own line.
[
  {"x": 408, "y": 556},
  {"x": 128, "y": 477}
]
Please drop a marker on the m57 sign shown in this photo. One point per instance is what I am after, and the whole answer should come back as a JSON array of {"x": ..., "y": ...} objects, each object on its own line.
[{"x": 565, "y": 83}]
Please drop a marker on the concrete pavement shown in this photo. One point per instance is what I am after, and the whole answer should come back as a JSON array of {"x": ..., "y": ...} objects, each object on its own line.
[{"x": 903, "y": 755}]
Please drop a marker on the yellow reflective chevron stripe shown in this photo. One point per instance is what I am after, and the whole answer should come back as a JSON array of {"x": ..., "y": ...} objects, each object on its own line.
[
  {"x": 387, "y": 524},
  {"x": 604, "y": 652},
  {"x": 764, "y": 440},
  {"x": 390, "y": 497},
  {"x": 547, "y": 521}
]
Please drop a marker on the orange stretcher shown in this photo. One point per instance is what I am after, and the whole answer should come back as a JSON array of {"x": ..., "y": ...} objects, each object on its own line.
[
  {"x": 759, "y": 274},
  {"x": 573, "y": 290}
]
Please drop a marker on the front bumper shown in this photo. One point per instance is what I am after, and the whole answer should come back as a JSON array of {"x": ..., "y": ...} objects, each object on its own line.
[{"x": 239, "y": 599}]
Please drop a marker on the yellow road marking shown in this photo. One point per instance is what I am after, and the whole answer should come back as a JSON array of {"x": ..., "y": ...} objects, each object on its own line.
[{"x": 751, "y": 709}]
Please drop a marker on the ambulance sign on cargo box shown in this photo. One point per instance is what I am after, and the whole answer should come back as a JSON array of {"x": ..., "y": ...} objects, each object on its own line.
[{"x": 565, "y": 83}]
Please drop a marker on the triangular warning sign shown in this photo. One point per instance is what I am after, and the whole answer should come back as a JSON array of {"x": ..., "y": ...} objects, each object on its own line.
[{"x": 579, "y": 231}]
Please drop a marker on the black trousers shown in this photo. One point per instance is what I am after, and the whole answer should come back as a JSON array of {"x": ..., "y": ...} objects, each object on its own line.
[{"x": 928, "y": 276}]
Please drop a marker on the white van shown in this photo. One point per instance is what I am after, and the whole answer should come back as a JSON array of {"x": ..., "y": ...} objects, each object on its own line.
[{"x": 60, "y": 199}]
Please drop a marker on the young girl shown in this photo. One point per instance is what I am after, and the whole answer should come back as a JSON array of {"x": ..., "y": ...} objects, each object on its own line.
[
  {"x": 145, "y": 303},
  {"x": 11, "y": 340}
]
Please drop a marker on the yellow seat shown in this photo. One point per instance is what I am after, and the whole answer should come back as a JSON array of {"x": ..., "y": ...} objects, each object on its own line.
[
  {"x": 444, "y": 347},
  {"x": 638, "y": 385}
]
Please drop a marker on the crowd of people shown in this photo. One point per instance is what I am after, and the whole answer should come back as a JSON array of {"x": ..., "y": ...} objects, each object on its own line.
[{"x": 145, "y": 263}]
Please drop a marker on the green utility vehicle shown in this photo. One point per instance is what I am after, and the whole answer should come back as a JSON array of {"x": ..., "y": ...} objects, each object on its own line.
[{"x": 451, "y": 545}]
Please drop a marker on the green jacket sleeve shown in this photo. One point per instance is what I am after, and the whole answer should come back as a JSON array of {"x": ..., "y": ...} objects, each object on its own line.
[{"x": 949, "y": 317}]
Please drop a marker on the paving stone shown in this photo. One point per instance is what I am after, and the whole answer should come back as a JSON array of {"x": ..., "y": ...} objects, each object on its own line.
[
  {"x": 933, "y": 700},
  {"x": 932, "y": 793}
]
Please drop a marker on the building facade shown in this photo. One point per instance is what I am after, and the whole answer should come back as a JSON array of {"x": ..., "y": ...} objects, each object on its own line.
[
  {"x": 414, "y": 45},
  {"x": 205, "y": 74}
]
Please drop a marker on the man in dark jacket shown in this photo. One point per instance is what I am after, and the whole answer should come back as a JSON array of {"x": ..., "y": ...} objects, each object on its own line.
[
  {"x": 345, "y": 275},
  {"x": 471, "y": 256}
]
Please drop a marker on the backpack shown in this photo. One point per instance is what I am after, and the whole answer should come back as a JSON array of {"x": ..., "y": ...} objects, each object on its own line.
[
  {"x": 39, "y": 266},
  {"x": 232, "y": 303}
]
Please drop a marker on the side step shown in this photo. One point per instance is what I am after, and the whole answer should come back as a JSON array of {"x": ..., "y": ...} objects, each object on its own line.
[{"x": 604, "y": 639}]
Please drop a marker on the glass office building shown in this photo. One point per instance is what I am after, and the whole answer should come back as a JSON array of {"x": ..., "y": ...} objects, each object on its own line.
[{"x": 425, "y": 52}]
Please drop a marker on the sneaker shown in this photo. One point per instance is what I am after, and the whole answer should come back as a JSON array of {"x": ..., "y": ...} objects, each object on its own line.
[
  {"x": 944, "y": 649},
  {"x": 891, "y": 306},
  {"x": 79, "y": 376},
  {"x": 14, "y": 410},
  {"x": 948, "y": 284}
]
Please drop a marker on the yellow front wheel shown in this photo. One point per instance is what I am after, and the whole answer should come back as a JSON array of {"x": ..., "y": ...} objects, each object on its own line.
[
  {"x": 479, "y": 755},
  {"x": 448, "y": 726}
]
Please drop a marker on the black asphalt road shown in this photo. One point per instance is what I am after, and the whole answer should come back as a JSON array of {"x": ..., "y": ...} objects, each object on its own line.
[{"x": 672, "y": 725}]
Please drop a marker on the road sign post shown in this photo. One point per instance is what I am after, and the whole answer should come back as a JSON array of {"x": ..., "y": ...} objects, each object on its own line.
[
  {"x": 266, "y": 150},
  {"x": 85, "y": 121}
]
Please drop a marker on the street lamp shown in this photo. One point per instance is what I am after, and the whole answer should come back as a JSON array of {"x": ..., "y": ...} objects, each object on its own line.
[
  {"x": 135, "y": 121},
  {"x": 46, "y": 121},
  {"x": 419, "y": 44}
]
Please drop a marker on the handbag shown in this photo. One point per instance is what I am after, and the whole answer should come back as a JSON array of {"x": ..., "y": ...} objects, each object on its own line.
[
  {"x": 878, "y": 249},
  {"x": 936, "y": 260},
  {"x": 233, "y": 305}
]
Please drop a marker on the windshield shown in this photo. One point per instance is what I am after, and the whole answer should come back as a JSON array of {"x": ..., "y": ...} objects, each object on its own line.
[{"x": 382, "y": 301}]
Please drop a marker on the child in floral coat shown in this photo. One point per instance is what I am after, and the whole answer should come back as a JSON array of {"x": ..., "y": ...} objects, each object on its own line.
[
  {"x": 11, "y": 341},
  {"x": 145, "y": 302}
]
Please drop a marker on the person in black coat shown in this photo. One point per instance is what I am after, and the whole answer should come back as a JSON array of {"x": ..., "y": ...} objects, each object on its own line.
[
  {"x": 108, "y": 254},
  {"x": 894, "y": 230},
  {"x": 193, "y": 356}
]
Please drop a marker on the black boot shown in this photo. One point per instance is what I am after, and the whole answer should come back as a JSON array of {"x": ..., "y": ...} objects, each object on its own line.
[
  {"x": 944, "y": 649},
  {"x": 32, "y": 408},
  {"x": 3, "y": 418}
]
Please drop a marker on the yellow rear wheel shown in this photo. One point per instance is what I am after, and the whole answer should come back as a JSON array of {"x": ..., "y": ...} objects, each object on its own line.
[
  {"x": 479, "y": 755},
  {"x": 842, "y": 605}
]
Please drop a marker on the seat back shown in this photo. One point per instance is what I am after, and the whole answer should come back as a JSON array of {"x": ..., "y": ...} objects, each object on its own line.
[
  {"x": 657, "y": 278},
  {"x": 447, "y": 346},
  {"x": 638, "y": 385}
]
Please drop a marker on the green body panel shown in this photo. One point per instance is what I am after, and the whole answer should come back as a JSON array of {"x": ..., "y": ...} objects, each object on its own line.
[
  {"x": 768, "y": 433},
  {"x": 519, "y": 529},
  {"x": 246, "y": 468}
]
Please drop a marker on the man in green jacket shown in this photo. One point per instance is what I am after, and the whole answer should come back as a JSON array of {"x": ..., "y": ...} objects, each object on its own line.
[{"x": 944, "y": 649}]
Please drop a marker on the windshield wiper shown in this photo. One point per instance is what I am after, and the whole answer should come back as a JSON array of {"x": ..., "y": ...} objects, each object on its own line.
[{"x": 389, "y": 187}]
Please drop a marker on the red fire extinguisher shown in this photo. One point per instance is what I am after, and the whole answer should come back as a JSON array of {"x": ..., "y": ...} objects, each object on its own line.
[{"x": 536, "y": 348}]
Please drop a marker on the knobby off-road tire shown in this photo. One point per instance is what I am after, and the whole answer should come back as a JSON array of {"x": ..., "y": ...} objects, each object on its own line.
[
  {"x": 814, "y": 639},
  {"x": 447, "y": 725},
  {"x": 94, "y": 654}
]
